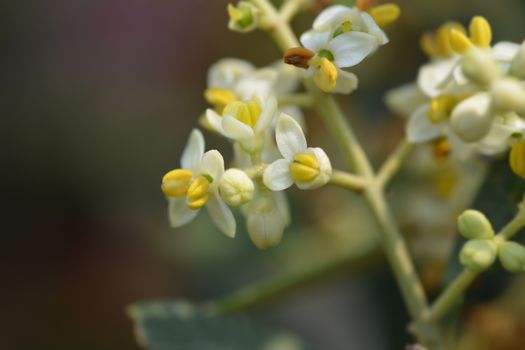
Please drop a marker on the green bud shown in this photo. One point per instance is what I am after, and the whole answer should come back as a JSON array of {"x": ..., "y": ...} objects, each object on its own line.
[
  {"x": 479, "y": 67},
  {"x": 508, "y": 95},
  {"x": 512, "y": 256},
  {"x": 478, "y": 254},
  {"x": 244, "y": 17},
  {"x": 472, "y": 224}
]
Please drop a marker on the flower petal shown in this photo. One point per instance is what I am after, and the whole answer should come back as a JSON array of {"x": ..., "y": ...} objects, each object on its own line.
[
  {"x": 350, "y": 48},
  {"x": 289, "y": 136},
  {"x": 346, "y": 82},
  {"x": 192, "y": 154},
  {"x": 259, "y": 83},
  {"x": 179, "y": 213},
  {"x": 404, "y": 100},
  {"x": 420, "y": 129},
  {"x": 277, "y": 175},
  {"x": 267, "y": 115},
  {"x": 325, "y": 170},
  {"x": 504, "y": 51},
  {"x": 214, "y": 120},
  {"x": 331, "y": 17},
  {"x": 374, "y": 29},
  {"x": 282, "y": 205},
  {"x": 236, "y": 129},
  {"x": 221, "y": 214},
  {"x": 431, "y": 76},
  {"x": 212, "y": 164},
  {"x": 315, "y": 41},
  {"x": 225, "y": 72}
]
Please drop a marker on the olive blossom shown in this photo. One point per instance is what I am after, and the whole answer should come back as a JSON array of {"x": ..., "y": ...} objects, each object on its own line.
[
  {"x": 308, "y": 167},
  {"x": 195, "y": 185}
]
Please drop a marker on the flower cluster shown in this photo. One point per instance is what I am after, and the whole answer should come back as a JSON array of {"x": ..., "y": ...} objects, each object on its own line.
[
  {"x": 341, "y": 37},
  {"x": 270, "y": 153},
  {"x": 470, "y": 97}
]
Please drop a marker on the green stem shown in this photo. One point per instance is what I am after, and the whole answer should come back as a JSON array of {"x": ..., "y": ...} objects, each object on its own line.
[
  {"x": 300, "y": 100},
  {"x": 451, "y": 295},
  {"x": 394, "y": 162},
  {"x": 348, "y": 181},
  {"x": 355, "y": 259},
  {"x": 515, "y": 225},
  {"x": 290, "y": 8}
]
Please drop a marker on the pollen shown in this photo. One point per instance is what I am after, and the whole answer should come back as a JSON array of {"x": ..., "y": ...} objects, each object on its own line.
[
  {"x": 480, "y": 32},
  {"x": 198, "y": 192},
  {"x": 517, "y": 158},
  {"x": 459, "y": 41},
  {"x": 176, "y": 182},
  {"x": 440, "y": 108},
  {"x": 326, "y": 75},
  {"x": 304, "y": 167},
  {"x": 385, "y": 14}
]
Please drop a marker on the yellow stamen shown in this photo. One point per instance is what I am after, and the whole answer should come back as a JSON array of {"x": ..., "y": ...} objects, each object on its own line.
[
  {"x": 198, "y": 193},
  {"x": 480, "y": 31},
  {"x": 304, "y": 167},
  {"x": 429, "y": 45},
  {"x": 219, "y": 97},
  {"x": 176, "y": 182},
  {"x": 459, "y": 41},
  {"x": 443, "y": 37},
  {"x": 440, "y": 108},
  {"x": 248, "y": 113},
  {"x": 234, "y": 13},
  {"x": 517, "y": 158},
  {"x": 385, "y": 14},
  {"x": 346, "y": 26},
  {"x": 326, "y": 75}
]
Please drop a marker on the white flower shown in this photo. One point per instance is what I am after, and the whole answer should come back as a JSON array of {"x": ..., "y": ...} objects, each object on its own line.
[
  {"x": 309, "y": 168},
  {"x": 244, "y": 122},
  {"x": 244, "y": 17},
  {"x": 334, "y": 17},
  {"x": 196, "y": 185},
  {"x": 236, "y": 188}
]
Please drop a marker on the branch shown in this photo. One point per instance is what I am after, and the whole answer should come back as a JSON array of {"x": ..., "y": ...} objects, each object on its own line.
[
  {"x": 391, "y": 166},
  {"x": 348, "y": 181}
]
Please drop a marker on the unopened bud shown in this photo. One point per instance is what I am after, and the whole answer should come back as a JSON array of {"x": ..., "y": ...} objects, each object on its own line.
[
  {"x": 517, "y": 158},
  {"x": 471, "y": 119},
  {"x": 508, "y": 95},
  {"x": 236, "y": 188},
  {"x": 478, "y": 254},
  {"x": 517, "y": 65},
  {"x": 472, "y": 224},
  {"x": 479, "y": 67},
  {"x": 265, "y": 223},
  {"x": 512, "y": 256},
  {"x": 244, "y": 17}
]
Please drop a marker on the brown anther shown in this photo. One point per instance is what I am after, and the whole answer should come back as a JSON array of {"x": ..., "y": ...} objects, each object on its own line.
[
  {"x": 363, "y": 5},
  {"x": 298, "y": 57},
  {"x": 441, "y": 149}
]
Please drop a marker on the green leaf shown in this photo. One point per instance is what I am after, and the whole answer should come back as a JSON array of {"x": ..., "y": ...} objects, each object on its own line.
[{"x": 183, "y": 326}]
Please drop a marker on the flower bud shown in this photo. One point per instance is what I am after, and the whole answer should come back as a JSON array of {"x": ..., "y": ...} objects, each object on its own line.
[
  {"x": 236, "y": 188},
  {"x": 512, "y": 256},
  {"x": 517, "y": 65},
  {"x": 478, "y": 254},
  {"x": 265, "y": 223},
  {"x": 508, "y": 95},
  {"x": 244, "y": 17},
  {"x": 479, "y": 67},
  {"x": 472, "y": 224},
  {"x": 517, "y": 158},
  {"x": 471, "y": 119}
]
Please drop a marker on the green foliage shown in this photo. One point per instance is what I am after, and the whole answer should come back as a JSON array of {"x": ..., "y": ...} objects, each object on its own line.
[{"x": 182, "y": 326}]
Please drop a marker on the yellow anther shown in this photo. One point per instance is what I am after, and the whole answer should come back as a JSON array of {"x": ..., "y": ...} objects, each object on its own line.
[
  {"x": 385, "y": 14},
  {"x": 440, "y": 108},
  {"x": 480, "y": 31},
  {"x": 517, "y": 158},
  {"x": 176, "y": 182},
  {"x": 459, "y": 41},
  {"x": 234, "y": 13},
  {"x": 326, "y": 75},
  {"x": 441, "y": 148},
  {"x": 219, "y": 97},
  {"x": 248, "y": 113},
  {"x": 304, "y": 167},
  {"x": 346, "y": 26},
  {"x": 429, "y": 45},
  {"x": 198, "y": 193},
  {"x": 443, "y": 37}
]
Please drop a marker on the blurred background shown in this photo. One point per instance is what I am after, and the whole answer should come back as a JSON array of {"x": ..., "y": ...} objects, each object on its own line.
[{"x": 98, "y": 98}]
